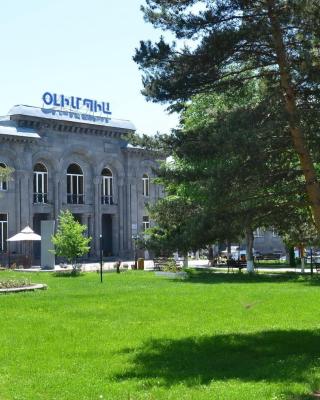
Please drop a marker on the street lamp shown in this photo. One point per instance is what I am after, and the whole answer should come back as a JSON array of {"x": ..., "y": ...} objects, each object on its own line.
[
  {"x": 101, "y": 258},
  {"x": 135, "y": 238}
]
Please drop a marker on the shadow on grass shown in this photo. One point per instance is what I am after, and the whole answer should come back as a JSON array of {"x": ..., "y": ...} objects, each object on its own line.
[
  {"x": 270, "y": 356},
  {"x": 210, "y": 277},
  {"x": 67, "y": 274}
]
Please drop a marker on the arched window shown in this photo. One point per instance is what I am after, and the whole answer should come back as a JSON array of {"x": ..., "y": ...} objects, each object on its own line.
[
  {"x": 145, "y": 185},
  {"x": 40, "y": 183},
  {"x": 3, "y": 182},
  {"x": 75, "y": 192},
  {"x": 107, "y": 187}
]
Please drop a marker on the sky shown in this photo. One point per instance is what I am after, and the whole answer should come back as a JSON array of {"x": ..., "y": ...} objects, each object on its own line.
[{"x": 78, "y": 48}]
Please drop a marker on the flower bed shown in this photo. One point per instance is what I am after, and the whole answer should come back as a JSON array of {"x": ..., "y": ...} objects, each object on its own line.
[
  {"x": 14, "y": 283},
  {"x": 19, "y": 285}
]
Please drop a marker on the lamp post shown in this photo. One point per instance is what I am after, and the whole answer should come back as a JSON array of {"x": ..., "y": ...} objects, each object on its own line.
[
  {"x": 101, "y": 258},
  {"x": 134, "y": 238}
]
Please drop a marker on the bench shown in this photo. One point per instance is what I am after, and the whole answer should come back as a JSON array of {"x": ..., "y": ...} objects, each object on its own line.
[
  {"x": 240, "y": 265},
  {"x": 159, "y": 263}
]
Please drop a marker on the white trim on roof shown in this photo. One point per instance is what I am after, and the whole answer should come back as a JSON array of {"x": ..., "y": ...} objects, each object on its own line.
[
  {"x": 71, "y": 116},
  {"x": 8, "y": 128}
]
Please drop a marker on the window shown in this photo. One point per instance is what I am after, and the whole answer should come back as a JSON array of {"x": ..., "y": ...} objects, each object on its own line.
[
  {"x": 145, "y": 185},
  {"x": 145, "y": 223},
  {"x": 3, "y": 232},
  {"x": 3, "y": 183},
  {"x": 258, "y": 233},
  {"x": 40, "y": 184},
  {"x": 107, "y": 187},
  {"x": 75, "y": 185}
]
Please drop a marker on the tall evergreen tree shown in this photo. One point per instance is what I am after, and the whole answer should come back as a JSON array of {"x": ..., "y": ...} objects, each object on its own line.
[
  {"x": 239, "y": 178},
  {"x": 230, "y": 42}
]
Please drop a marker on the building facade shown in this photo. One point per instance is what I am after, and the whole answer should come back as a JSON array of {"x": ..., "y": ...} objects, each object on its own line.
[
  {"x": 268, "y": 242},
  {"x": 69, "y": 160}
]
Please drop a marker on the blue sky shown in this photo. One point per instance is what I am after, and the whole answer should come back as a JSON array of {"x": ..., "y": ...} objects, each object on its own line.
[{"x": 77, "y": 47}]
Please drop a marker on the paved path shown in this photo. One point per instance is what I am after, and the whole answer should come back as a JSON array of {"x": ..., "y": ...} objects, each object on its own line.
[
  {"x": 87, "y": 267},
  {"x": 149, "y": 266}
]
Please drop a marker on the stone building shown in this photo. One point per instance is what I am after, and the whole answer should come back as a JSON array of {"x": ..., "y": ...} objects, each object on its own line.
[
  {"x": 268, "y": 242},
  {"x": 81, "y": 162}
]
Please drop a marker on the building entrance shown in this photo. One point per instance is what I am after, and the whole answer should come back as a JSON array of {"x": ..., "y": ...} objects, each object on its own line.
[
  {"x": 107, "y": 235},
  {"x": 78, "y": 218}
]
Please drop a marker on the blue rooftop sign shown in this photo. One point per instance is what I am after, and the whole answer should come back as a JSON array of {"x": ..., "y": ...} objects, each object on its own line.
[{"x": 76, "y": 103}]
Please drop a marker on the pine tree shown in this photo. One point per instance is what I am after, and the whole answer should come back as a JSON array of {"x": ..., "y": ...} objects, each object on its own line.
[
  {"x": 229, "y": 42},
  {"x": 240, "y": 177}
]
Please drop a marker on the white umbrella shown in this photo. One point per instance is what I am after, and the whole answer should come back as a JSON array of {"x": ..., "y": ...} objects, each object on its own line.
[{"x": 26, "y": 234}]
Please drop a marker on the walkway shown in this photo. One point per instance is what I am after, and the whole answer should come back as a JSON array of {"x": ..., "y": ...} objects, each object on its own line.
[{"x": 149, "y": 266}]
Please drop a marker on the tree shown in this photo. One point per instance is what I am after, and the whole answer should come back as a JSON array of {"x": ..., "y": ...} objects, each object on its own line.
[
  {"x": 239, "y": 178},
  {"x": 6, "y": 174},
  {"x": 234, "y": 41},
  {"x": 69, "y": 241},
  {"x": 183, "y": 224}
]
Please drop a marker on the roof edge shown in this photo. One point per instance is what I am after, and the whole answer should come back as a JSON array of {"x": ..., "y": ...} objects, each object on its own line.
[{"x": 70, "y": 116}]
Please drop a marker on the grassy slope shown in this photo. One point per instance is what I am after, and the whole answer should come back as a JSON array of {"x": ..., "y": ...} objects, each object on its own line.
[{"x": 137, "y": 336}]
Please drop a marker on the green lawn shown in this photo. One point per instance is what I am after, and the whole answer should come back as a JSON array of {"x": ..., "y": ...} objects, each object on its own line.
[{"x": 137, "y": 336}]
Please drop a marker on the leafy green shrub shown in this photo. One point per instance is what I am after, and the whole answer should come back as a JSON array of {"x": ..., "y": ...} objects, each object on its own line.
[
  {"x": 171, "y": 266},
  {"x": 70, "y": 241},
  {"x": 68, "y": 273},
  {"x": 14, "y": 283}
]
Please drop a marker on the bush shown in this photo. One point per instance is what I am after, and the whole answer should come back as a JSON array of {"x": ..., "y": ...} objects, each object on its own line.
[
  {"x": 70, "y": 241},
  {"x": 14, "y": 283},
  {"x": 171, "y": 266},
  {"x": 68, "y": 273}
]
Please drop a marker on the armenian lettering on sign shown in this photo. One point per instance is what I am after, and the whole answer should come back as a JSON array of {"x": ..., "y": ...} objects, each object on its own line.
[{"x": 76, "y": 103}]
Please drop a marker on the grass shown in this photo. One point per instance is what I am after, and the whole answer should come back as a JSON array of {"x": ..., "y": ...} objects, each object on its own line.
[
  {"x": 137, "y": 336},
  {"x": 272, "y": 263}
]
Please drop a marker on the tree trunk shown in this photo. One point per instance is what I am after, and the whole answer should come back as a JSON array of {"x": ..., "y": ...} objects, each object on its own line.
[
  {"x": 228, "y": 249},
  {"x": 249, "y": 249},
  {"x": 312, "y": 184},
  {"x": 292, "y": 257},
  {"x": 302, "y": 265},
  {"x": 185, "y": 260},
  {"x": 301, "y": 250}
]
